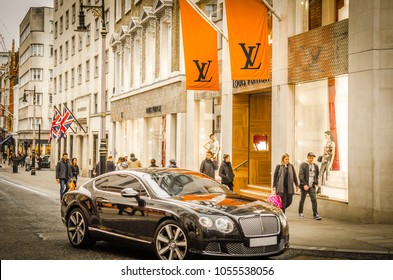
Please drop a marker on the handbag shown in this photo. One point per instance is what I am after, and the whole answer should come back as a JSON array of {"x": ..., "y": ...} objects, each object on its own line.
[
  {"x": 275, "y": 200},
  {"x": 71, "y": 185}
]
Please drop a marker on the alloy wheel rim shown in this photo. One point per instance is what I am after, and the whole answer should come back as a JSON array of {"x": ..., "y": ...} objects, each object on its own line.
[
  {"x": 171, "y": 243},
  {"x": 76, "y": 228}
]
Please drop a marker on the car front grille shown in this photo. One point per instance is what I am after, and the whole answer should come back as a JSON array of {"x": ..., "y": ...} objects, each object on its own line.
[
  {"x": 260, "y": 225},
  {"x": 241, "y": 250}
]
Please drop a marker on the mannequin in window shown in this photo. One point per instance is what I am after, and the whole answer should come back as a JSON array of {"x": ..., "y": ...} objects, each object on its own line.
[{"x": 327, "y": 158}]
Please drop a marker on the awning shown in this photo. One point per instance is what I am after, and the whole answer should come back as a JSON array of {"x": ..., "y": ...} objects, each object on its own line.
[{"x": 6, "y": 140}]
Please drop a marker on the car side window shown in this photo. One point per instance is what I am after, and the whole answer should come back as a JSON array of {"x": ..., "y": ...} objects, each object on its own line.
[
  {"x": 118, "y": 182},
  {"x": 101, "y": 184}
]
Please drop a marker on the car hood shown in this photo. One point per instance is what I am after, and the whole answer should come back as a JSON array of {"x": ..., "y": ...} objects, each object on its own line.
[{"x": 232, "y": 204}]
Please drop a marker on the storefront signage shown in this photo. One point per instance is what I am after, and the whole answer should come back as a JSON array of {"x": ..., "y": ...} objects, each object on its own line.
[
  {"x": 154, "y": 109},
  {"x": 244, "y": 83}
]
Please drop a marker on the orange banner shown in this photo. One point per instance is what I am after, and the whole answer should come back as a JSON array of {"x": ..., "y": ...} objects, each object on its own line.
[
  {"x": 248, "y": 39},
  {"x": 200, "y": 50}
]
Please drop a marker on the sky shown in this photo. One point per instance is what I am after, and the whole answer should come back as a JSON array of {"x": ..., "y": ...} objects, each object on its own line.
[{"x": 12, "y": 13}]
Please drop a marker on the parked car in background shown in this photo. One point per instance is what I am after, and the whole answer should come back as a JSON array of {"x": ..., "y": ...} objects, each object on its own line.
[
  {"x": 45, "y": 163},
  {"x": 174, "y": 212}
]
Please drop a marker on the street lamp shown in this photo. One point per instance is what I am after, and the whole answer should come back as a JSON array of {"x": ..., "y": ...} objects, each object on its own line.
[
  {"x": 82, "y": 28},
  {"x": 34, "y": 120}
]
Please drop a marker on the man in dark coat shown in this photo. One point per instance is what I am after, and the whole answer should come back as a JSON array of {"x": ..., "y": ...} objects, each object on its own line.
[
  {"x": 308, "y": 177},
  {"x": 209, "y": 165},
  {"x": 110, "y": 165},
  {"x": 63, "y": 174}
]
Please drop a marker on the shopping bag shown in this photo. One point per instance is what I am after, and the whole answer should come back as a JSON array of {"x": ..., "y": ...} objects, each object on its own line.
[
  {"x": 275, "y": 200},
  {"x": 71, "y": 185}
]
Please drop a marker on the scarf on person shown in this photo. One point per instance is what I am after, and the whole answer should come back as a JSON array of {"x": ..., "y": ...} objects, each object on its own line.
[{"x": 281, "y": 175}]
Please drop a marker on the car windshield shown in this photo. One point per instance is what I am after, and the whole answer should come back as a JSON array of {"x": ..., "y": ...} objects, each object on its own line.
[{"x": 167, "y": 184}]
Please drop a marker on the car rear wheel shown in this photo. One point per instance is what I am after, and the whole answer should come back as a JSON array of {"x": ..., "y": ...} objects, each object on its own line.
[
  {"x": 170, "y": 241},
  {"x": 78, "y": 233}
]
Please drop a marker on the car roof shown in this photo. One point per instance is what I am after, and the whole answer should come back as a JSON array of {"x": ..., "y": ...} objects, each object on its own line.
[{"x": 162, "y": 170}]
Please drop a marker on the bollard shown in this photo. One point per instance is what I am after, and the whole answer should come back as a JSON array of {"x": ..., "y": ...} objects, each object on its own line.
[{"x": 15, "y": 163}]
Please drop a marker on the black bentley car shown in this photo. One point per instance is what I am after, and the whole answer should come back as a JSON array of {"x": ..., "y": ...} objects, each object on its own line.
[{"x": 174, "y": 212}]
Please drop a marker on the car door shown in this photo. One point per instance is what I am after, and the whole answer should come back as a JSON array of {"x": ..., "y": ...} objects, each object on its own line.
[{"x": 126, "y": 215}]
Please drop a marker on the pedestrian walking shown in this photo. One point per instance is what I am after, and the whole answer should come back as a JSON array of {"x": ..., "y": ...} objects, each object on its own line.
[
  {"x": 172, "y": 164},
  {"x": 74, "y": 170},
  {"x": 226, "y": 172},
  {"x": 63, "y": 174},
  {"x": 153, "y": 163},
  {"x": 135, "y": 163},
  {"x": 284, "y": 180},
  {"x": 110, "y": 165},
  {"x": 28, "y": 163},
  {"x": 308, "y": 176},
  {"x": 209, "y": 165}
]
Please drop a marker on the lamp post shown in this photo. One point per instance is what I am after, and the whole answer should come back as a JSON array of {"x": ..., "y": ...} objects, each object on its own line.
[
  {"x": 34, "y": 120},
  {"x": 83, "y": 28}
]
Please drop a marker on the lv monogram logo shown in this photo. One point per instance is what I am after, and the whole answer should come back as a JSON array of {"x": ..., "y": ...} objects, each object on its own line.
[
  {"x": 250, "y": 56},
  {"x": 203, "y": 69}
]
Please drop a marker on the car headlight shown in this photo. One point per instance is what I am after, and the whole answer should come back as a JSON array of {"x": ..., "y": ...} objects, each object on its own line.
[
  {"x": 206, "y": 222},
  {"x": 283, "y": 219},
  {"x": 224, "y": 225}
]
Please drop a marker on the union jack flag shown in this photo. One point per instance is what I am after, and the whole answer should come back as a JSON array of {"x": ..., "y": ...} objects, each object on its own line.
[
  {"x": 55, "y": 127},
  {"x": 66, "y": 121}
]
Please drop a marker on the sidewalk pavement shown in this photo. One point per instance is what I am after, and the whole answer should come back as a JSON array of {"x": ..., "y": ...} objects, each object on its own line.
[{"x": 308, "y": 234}]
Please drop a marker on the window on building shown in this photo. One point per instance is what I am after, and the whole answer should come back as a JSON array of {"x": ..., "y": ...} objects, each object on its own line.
[
  {"x": 87, "y": 76},
  {"x": 51, "y": 74},
  {"x": 96, "y": 66},
  {"x": 118, "y": 10},
  {"x": 51, "y": 26},
  {"x": 136, "y": 79},
  {"x": 60, "y": 54},
  {"x": 36, "y": 74},
  {"x": 165, "y": 49},
  {"x": 127, "y": 6},
  {"x": 73, "y": 15},
  {"x": 55, "y": 29},
  {"x": 80, "y": 43},
  {"x": 60, "y": 83},
  {"x": 55, "y": 85},
  {"x": 61, "y": 25},
  {"x": 50, "y": 95},
  {"x": 50, "y": 50},
  {"x": 107, "y": 19},
  {"x": 73, "y": 45},
  {"x": 55, "y": 59},
  {"x": 95, "y": 103},
  {"x": 37, "y": 50},
  {"x": 66, "y": 50},
  {"x": 79, "y": 74},
  {"x": 24, "y": 56},
  {"x": 150, "y": 45},
  {"x": 72, "y": 77},
  {"x": 66, "y": 80},
  {"x": 106, "y": 61},
  {"x": 97, "y": 30},
  {"x": 25, "y": 34},
  {"x": 67, "y": 16},
  {"x": 88, "y": 35},
  {"x": 56, "y": 4},
  {"x": 25, "y": 78}
]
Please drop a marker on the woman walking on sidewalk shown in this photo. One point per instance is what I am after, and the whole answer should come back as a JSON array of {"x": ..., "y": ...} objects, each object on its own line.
[
  {"x": 284, "y": 180},
  {"x": 75, "y": 170}
]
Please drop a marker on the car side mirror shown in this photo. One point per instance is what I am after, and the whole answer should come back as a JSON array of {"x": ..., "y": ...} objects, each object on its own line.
[{"x": 129, "y": 193}]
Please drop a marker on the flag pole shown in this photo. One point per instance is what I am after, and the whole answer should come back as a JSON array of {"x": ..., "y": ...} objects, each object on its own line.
[
  {"x": 74, "y": 119},
  {"x": 271, "y": 9},
  {"x": 202, "y": 14}
]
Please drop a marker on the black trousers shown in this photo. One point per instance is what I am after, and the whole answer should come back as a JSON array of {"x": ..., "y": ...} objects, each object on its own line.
[
  {"x": 313, "y": 197},
  {"x": 286, "y": 200}
]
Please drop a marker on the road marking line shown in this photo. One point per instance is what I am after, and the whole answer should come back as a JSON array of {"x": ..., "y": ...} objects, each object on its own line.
[{"x": 22, "y": 187}]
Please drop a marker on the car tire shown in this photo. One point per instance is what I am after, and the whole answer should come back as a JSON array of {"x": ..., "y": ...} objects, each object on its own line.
[
  {"x": 170, "y": 241},
  {"x": 77, "y": 229}
]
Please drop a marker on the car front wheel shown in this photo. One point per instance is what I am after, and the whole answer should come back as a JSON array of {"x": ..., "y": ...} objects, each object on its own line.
[
  {"x": 170, "y": 241},
  {"x": 78, "y": 233}
]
